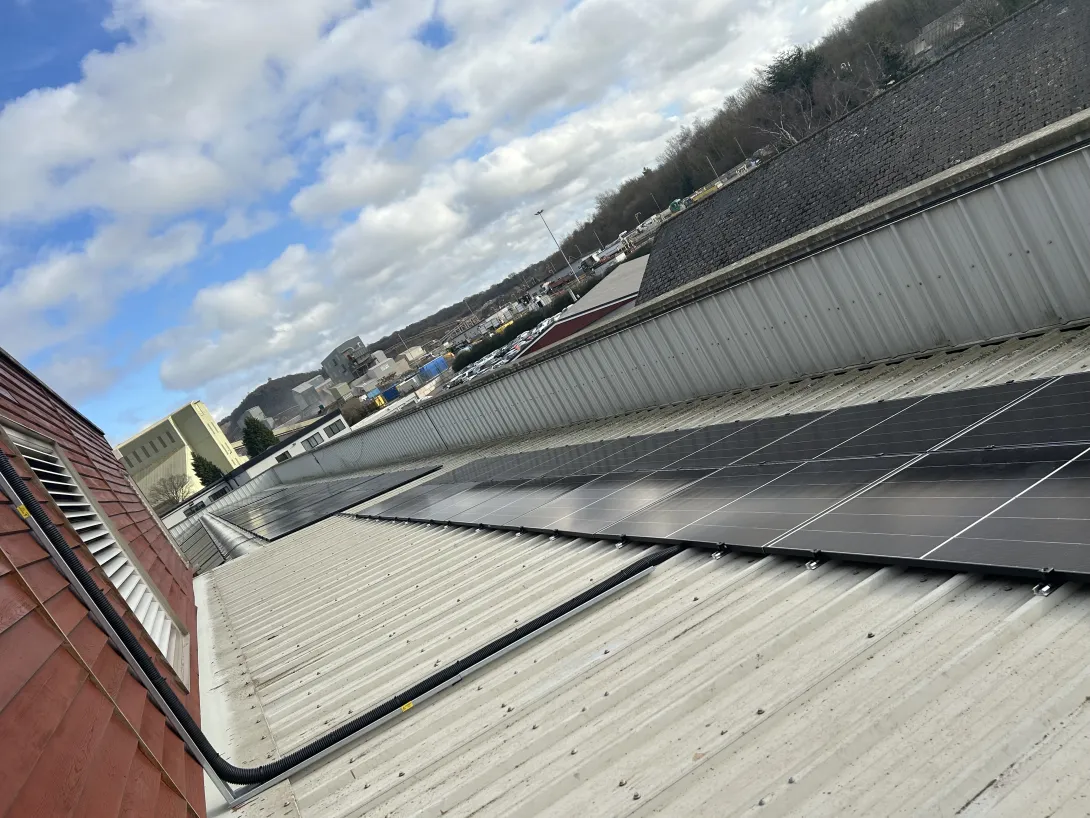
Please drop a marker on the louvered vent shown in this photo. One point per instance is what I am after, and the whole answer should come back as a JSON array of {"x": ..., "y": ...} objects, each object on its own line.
[{"x": 125, "y": 576}]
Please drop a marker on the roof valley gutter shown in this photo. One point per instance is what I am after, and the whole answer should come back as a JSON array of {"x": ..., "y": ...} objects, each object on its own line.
[{"x": 260, "y": 778}]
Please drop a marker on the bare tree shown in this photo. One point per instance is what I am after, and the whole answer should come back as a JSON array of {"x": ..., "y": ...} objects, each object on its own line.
[{"x": 169, "y": 491}]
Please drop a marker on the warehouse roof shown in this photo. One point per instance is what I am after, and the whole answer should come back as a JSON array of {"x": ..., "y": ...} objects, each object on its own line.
[
  {"x": 714, "y": 686},
  {"x": 1033, "y": 69},
  {"x": 613, "y": 293}
]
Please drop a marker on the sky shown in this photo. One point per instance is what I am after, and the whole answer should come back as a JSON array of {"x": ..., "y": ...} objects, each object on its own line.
[{"x": 199, "y": 195}]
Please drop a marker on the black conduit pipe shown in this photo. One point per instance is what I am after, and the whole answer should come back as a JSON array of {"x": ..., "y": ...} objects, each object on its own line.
[{"x": 265, "y": 772}]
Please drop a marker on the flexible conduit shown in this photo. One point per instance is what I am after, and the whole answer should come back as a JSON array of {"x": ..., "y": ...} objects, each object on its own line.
[{"x": 402, "y": 701}]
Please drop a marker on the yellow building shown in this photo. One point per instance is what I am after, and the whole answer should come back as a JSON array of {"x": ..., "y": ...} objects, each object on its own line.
[{"x": 166, "y": 448}]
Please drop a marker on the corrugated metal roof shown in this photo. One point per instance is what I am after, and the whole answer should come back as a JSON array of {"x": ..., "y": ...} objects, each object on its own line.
[{"x": 846, "y": 690}]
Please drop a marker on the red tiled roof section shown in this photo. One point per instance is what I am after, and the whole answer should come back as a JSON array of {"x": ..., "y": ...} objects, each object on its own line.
[{"x": 78, "y": 733}]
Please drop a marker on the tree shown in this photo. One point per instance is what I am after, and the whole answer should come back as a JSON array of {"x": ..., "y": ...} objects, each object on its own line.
[
  {"x": 207, "y": 471},
  {"x": 169, "y": 491},
  {"x": 257, "y": 437}
]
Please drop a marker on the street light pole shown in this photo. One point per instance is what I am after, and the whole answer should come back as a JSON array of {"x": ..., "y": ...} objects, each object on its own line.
[
  {"x": 600, "y": 245},
  {"x": 715, "y": 174},
  {"x": 637, "y": 218},
  {"x": 658, "y": 209},
  {"x": 558, "y": 247}
]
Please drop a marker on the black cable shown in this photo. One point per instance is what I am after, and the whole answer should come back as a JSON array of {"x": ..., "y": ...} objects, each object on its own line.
[{"x": 258, "y": 775}]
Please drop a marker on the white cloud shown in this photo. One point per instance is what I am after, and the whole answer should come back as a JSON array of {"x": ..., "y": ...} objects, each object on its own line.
[
  {"x": 69, "y": 291},
  {"x": 77, "y": 375},
  {"x": 415, "y": 171},
  {"x": 239, "y": 225}
]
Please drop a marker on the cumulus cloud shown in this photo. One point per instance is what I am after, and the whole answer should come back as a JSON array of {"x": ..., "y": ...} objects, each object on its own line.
[
  {"x": 81, "y": 374},
  {"x": 415, "y": 168},
  {"x": 239, "y": 225},
  {"x": 71, "y": 290}
]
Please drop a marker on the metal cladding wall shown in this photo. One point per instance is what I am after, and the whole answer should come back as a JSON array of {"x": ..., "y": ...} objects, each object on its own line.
[{"x": 1007, "y": 258}]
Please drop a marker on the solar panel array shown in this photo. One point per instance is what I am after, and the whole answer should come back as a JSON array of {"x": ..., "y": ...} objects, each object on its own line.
[
  {"x": 282, "y": 510},
  {"x": 997, "y": 477}
]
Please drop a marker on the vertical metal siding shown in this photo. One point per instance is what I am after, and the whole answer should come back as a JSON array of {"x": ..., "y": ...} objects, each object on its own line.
[{"x": 1010, "y": 257}]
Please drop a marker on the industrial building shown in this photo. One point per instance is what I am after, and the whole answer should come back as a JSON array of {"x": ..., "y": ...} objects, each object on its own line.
[
  {"x": 166, "y": 447},
  {"x": 807, "y": 533},
  {"x": 346, "y": 361},
  {"x": 257, "y": 414}
]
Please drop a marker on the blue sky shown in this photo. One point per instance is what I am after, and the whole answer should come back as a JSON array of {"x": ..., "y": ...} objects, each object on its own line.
[{"x": 197, "y": 197}]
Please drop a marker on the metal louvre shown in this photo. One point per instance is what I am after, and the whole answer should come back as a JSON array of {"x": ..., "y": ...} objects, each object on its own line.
[{"x": 122, "y": 572}]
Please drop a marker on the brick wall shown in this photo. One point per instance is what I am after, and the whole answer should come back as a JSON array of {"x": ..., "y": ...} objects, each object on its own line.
[
  {"x": 1028, "y": 73},
  {"x": 78, "y": 733}
]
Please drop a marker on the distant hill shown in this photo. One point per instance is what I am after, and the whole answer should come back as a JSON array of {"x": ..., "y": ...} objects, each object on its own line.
[{"x": 273, "y": 396}]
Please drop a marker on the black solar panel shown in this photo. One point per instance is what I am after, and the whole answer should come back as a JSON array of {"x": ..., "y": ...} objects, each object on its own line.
[
  {"x": 505, "y": 508},
  {"x": 289, "y": 508},
  {"x": 750, "y": 440},
  {"x": 1059, "y": 413},
  {"x": 752, "y": 505},
  {"x": 415, "y": 500},
  {"x": 996, "y": 477},
  {"x": 931, "y": 421},
  {"x": 1047, "y": 527},
  {"x": 825, "y": 433},
  {"x": 917, "y": 510}
]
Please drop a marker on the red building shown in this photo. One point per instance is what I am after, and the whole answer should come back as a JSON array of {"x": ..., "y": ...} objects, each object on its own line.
[{"x": 79, "y": 734}]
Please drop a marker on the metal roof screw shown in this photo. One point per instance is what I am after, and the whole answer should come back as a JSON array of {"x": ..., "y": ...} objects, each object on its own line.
[
  {"x": 760, "y": 712},
  {"x": 584, "y": 710},
  {"x": 791, "y": 779},
  {"x": 401, "y": 774},
  {"x": 870, "y": 634},
  {"x": 534, "y": 727},
  {"x": 622, "y": 782},
  {"x": 606, "y": 651},
  {"x": 695, "y": 598},
  {"x": 761, "y": 803},
  {"x": 722, "y": 732},
  {"x": 635, "y": 796},
  {"x": 366, "y": 786},
  {"x": 509, "y": 709},
  {"x": 606, "y": 693},
  {"x": 574, "y": 751}
]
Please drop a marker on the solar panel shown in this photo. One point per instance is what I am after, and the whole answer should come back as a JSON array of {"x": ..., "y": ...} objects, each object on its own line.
[
  {"x": 1047, "y": 527},
  {"x": 611, "y": 499},
  {"x": 690, "y": 444},
  {"x": 577, "y": 497},
  {"x": 504, "y": 509},
  {"x": 751, "y": 439},
  {"x": 752, "y": 505},
  {"x": 447, "y": 508},
  {"x": 918, "y": 509},
  {"x": 619, "y": 454},
  {"x": 994, "y": 477},
  {"x": 412, "y": 502},
  {"x": 291, "y": 508},
  {"x": 828, "y": 431},
  {"x": 931, "y": 421},
  {"x": 1059, "y": 413}
]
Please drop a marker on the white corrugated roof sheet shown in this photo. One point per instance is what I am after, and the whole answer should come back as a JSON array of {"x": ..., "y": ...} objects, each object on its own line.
[{"x": 729, "y": 686}]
